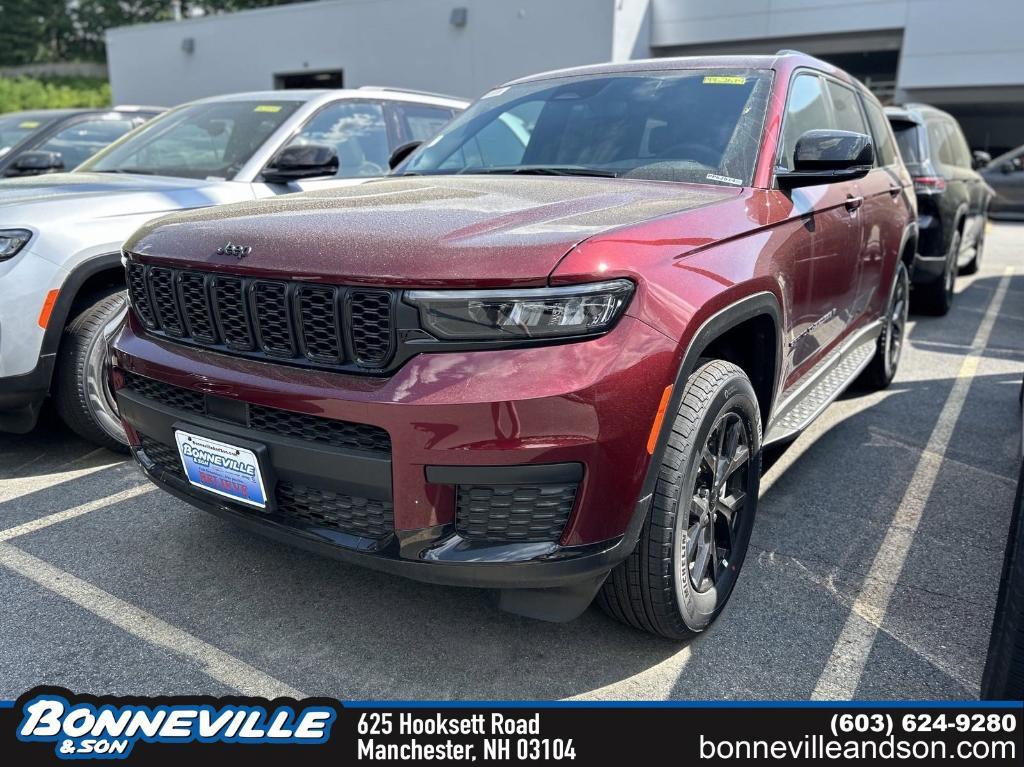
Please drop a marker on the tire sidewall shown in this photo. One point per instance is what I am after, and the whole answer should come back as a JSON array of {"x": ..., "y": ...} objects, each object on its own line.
[{"x": 696, "y": 609}]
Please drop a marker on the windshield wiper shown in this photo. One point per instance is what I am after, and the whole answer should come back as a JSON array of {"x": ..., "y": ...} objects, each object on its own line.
[
  {"x": 136, "y": 171},
  {"x": 544, "y": 170}
]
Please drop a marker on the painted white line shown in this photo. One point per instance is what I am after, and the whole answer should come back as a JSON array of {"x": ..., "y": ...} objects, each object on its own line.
[
  {"x": 77, "y": 511},
  {"x": 845, "y": 667},
  {"x": 215, "y": 663},
  {"x": 10, "y": 489}
]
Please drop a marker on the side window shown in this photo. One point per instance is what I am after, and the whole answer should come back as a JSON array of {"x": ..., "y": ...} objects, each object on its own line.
[
  {"x": 78, "y": 142},
  {"x": 357, "y": 131},
  {"x": 418, "y": 122},
  {"x": 885, "y": 151},
  {"x": 807, "y": 109},
  {"x": 961, "y": 152},
  {"x": 846, "y": 108},
  {"x": 940, "y": 142}
]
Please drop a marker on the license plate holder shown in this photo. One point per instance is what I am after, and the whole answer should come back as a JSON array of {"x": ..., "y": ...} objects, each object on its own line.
[{"x": 224, "y": 466}]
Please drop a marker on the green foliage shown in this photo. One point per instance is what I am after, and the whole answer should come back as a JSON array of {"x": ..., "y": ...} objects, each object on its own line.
[{"x": 52, "y": 93}]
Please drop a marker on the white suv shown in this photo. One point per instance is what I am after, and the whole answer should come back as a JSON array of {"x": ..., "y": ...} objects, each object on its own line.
[{"x": 61, "y": 280}]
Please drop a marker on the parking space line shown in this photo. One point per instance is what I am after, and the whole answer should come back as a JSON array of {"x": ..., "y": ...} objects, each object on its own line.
[
  {"x": 845, "y": 667},
  {"x": 44, "y": 481},
  {"x": 77, "y": 511},
  {"x": 215, "y": 663}
]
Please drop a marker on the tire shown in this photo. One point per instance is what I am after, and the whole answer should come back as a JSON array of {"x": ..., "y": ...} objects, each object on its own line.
[
  {"x": 882, "y": 368},
  {"x": 937, "y": 298},
  {"x": 655, "y": 589},
  {"x": 81, "y": 391},
  {"x": 972, "y": 266}
]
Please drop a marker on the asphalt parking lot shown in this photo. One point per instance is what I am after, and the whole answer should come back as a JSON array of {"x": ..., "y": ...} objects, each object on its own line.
[{"x": 873, "y": 571}]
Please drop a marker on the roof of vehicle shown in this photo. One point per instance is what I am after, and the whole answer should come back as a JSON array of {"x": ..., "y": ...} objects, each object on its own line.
[
  {"x": 338, "y": 94},
  {"x": 915, "y": 113},
  {"x": 60, "y": 114},
  {"x": 784, "y": 59}
]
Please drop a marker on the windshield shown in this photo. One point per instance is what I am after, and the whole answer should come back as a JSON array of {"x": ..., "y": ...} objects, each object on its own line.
[
  {"x": 13, "y": 128},
  {"x": 701, "y": 126},
  {"x": 211, "y": 140}
]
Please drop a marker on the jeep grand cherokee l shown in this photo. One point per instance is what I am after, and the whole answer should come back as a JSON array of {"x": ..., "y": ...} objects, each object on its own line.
[{"x": 546, "y": 357}]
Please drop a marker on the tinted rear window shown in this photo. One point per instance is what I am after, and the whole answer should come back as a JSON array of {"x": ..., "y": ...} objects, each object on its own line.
[{"x": 908, "y": 141}]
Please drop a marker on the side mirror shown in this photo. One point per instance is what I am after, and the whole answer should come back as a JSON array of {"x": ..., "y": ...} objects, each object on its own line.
[
  {"x": 294, "y": 163},
  {"x": 36, "y": 163},
  {"x": 980, "y": 159},
  {"x": 401, "y": 152},
  {"x": 827, "y": 157}
]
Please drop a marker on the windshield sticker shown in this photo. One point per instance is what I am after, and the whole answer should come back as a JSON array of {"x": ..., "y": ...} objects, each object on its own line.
[
  {"x": 29, "y": 124},
  {"x": 724, "y": 80},
  {"x": 724, "y": 179},
  {"x": 268, "y": 108}
]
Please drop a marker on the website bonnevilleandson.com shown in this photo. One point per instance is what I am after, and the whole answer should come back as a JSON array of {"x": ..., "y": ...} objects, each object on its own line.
[{"x": 576, "y": 382}]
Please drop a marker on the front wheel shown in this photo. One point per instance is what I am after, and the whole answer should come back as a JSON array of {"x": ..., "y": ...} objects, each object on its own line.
[
  {"x": 82, "y": 389},
  {"x": 691, "y": 549}
]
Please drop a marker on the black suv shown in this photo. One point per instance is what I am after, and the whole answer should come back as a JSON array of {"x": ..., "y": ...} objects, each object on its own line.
[{"x": 952, "y": 201}]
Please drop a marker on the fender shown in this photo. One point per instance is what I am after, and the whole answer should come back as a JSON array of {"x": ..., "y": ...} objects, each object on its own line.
[
  {"x": 66, "y": 299},
  {"x": 763, "y": 303}
]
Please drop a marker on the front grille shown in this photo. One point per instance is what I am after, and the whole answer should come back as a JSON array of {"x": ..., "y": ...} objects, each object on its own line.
[
  {"x": 514, "y": 514},
  {"x": 296, "y": 505},
  {"x": 308, "y": 428},
  {"x": 351, "y": 329},
  {"x": 166, "y": 394}
]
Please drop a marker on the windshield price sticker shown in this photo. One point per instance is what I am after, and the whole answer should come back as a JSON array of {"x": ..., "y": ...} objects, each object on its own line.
[
  {"x": 457, "y": 736},
  {"x": 724, "y": 80}
]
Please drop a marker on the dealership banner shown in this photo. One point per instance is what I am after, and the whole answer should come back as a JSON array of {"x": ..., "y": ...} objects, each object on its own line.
[{"x": 49, "y": 724}]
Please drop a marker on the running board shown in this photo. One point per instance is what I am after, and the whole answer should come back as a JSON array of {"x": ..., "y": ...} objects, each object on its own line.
[{"x": 825, "y": 382}]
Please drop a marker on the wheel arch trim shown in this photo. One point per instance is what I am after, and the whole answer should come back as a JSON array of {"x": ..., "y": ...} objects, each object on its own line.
[{"x": 763, "y": 303}]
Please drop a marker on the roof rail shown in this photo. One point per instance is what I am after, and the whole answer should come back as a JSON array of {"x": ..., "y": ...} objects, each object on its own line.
[{"x": 392, "y": 89}]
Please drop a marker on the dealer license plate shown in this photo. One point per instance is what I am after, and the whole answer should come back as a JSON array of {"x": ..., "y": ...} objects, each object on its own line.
[{"x": 223, "y": 469}]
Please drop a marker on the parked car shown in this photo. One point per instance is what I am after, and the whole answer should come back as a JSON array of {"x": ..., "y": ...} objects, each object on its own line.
[
  {"x": 61, "y": 234},
  {"x": 1005, "y": 174},
  {"x": 525, "y": 367},
  {"x": 952, "y": 201},
  {"x": 53, "y": 140}
]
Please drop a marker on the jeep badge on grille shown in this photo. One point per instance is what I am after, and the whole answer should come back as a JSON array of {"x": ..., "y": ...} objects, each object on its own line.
[{"x": 238, "y": 251}]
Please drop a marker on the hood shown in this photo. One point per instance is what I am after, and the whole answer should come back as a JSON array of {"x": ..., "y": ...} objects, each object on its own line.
[
  {"x": 419, "y": 231},
  {"x": 40, "y": 201}
]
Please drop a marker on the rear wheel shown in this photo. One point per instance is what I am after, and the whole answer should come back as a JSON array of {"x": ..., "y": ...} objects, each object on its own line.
[
  {"x": 937, "y": 297},
  {"x": 82, "y": 389},
  {"x": 695, "y": 538},
  {"x": 882, "y": 368},
  {"x": 972, "y": 266}
]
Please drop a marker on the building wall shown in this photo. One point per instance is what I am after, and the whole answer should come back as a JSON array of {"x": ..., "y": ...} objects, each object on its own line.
[
  {"x": 945, "y": 43},
  {"x": 401, "y": 43}
]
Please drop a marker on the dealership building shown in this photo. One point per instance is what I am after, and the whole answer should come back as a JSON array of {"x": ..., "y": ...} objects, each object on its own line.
[{"x": 966, "y": 57}]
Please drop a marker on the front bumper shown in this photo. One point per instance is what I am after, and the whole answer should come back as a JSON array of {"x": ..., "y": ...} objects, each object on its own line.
[{"x": 576, "y": 414}]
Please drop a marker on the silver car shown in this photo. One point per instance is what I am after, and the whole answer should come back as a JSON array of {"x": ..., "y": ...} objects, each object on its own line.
[{"x": 61, "y": 281}]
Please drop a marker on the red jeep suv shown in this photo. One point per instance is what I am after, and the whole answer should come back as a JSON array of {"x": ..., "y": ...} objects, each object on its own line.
[{"x": 544, "y": 355}]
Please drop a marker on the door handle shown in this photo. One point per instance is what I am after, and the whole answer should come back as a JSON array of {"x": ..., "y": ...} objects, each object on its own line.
[
  {"x": 894, "y": 190},
  {"x": 853, "y": 203}
]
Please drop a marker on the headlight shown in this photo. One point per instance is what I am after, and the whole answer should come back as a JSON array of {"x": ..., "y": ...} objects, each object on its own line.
[
  {"x": 496, "y": 315},
  {"x": 11, "y": 241}
]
